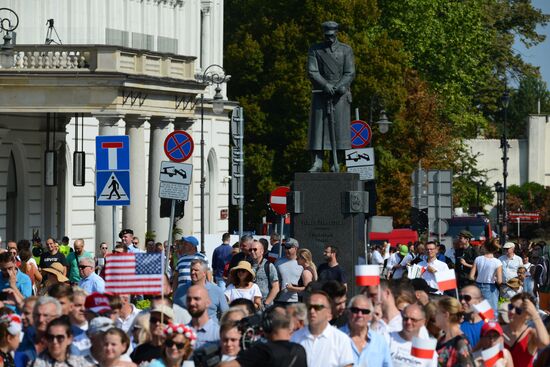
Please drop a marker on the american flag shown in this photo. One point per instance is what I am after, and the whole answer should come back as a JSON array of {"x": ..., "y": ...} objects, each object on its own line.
[{"x": 133, "y": 273}]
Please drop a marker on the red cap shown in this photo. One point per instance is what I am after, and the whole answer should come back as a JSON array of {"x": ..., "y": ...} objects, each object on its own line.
[
  {"x": 491, "y": 326},
  {"x": 97, "y": 303}
]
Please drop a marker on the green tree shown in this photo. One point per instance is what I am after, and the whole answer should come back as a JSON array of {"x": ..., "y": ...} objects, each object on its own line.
[{"x": 524, "y": 102}]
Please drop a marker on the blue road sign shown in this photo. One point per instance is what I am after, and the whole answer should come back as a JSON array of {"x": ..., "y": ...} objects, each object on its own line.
[
  {"x": 113, "y": 170},
  {"x": 361, "y": 134},
  {"x": 178, "y": 146}
]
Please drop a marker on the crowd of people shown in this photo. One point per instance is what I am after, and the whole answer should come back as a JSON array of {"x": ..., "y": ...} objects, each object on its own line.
[{"x": 266, "y": 303}]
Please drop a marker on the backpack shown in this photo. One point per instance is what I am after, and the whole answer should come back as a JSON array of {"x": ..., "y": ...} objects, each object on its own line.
[{"x": 541, "y": 276}]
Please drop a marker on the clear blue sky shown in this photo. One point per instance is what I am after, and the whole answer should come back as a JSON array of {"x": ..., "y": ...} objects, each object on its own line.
[{"x": 540, "y": 54}]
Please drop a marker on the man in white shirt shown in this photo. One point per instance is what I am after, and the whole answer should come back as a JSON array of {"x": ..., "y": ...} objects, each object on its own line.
[
  {"x": 510, "y": 262},
  {"x": 400, "y": 342},
  {"x": 432, "y": 265},
  {"x": 325, "y": 345}
]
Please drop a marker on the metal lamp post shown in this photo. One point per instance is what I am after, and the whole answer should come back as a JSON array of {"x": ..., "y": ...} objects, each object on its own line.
[
  {"x": 213, "y": 74},
  {"x": 499, "y": 190},
  {"x": 505, "y": 100}
]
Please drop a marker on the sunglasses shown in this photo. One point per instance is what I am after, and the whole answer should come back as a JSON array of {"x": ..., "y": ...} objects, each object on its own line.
[
  {"x": 135, "y": 243},
  {"x": 154, "y": 320},
  {"x": 362, "y": 311},
  {"x": 60, "y": 338},
  {"x": 518, "y": 310},
  {"x": 104, "y": 248},
  {"x": 170, "y": 343},
  {"x": 316, "y": 307},
  {"x": 405, "y": 319},
  {"x": 465, "y": 297},
  {"x": 84, "y": 266},
  {"x": 253, "y": 249}
]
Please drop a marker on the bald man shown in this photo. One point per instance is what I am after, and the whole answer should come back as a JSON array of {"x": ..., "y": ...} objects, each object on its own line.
[
  {"x": 206, "y": 329},
  {"x": 471, "y": 326},
  {"x": 73, "y": 259}
]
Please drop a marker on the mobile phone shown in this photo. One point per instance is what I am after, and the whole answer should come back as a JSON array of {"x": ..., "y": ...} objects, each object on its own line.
[{"x": 3, "y": 296}]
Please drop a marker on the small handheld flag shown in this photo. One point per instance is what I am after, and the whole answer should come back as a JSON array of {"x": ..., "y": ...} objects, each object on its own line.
[
  {"x": 446, "y": 279},
  {"x": 423, "y": 348},
  {"x": 367, "y": 275},
  {"x": 492, "y": 355},
  {"x": 485, "y": 310}
]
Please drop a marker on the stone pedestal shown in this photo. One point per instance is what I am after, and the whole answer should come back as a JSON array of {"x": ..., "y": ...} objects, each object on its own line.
[{"x": 324, "y": 212}]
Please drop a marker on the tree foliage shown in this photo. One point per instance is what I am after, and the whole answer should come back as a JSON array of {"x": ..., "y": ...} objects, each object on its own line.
[{"x": 436, "y": 66}]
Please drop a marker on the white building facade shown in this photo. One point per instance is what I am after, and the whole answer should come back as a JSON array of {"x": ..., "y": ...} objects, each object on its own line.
[{"x": 128, "y": 67}]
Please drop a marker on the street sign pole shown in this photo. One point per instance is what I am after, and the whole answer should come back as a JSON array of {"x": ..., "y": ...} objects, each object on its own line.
[
  {"x": 282, "y": 235},
  {"x": 114, "y": 226},
  {"x": 172, "y": 215},
  {"x": 519, "y": 224}
]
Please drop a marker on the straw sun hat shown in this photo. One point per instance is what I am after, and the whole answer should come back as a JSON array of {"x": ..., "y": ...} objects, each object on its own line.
[
  {"x": 245, "y": 265},
  {"x": 57, "y": 270}
]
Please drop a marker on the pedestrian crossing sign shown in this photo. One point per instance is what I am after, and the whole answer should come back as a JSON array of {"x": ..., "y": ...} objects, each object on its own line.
[
  {"x": 113, "y": 188},
  {"x": 112, "y": 170}
]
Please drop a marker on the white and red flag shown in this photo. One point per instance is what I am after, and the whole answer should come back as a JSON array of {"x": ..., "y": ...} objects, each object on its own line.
[
  {"x": 485, "y": 310},
  {"x": 492, "y": 355},
  {"x": 445, "y": 279},
  {"x": 423, "y": 348},
  {"x": 133, "y": 273},
  {"x": 367, "y": 275}
]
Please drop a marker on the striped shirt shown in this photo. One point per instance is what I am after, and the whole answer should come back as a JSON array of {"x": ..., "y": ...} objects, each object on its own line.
[{"x": 184, "y": 267}]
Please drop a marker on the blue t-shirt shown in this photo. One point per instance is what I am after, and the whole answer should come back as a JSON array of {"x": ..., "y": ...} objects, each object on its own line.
[
  {"x": 221, "y": 255},
  {"x": 472, "y": 331},
  {"x": 218, "y": 302},
  {"x": 22, "y": 282}
]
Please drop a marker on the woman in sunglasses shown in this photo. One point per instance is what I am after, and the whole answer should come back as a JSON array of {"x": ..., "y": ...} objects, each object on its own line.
[
  {"x": 58, "y": 339},
  {"x": 178, "y": 346},
  {"x": 115, "y": 344},
  {"x": 520, "y": 339}
]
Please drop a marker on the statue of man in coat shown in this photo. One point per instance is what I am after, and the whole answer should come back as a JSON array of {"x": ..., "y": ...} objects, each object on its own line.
[{"x": 331, "y": 69}]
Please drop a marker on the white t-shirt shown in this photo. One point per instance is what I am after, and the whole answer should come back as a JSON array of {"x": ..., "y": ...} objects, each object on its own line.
[
  {"x": 233, "y": 293},
  {"x": 400, "y": 351},
  {"x": 332, "y": 348},
  {"x": 394, "y": 259},
  {"x": 486, "y": 269},
  {"x": 510, "y": 266}
]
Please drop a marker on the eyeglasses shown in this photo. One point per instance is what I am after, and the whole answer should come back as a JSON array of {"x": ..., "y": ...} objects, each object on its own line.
[
  {"x": 170, "y": 343},
  {"x": 406, "y": 318},
  {"x": 60, "y": 338},
  {"x": 518, "y": 310},
  {"x": 316, "y": 307},
  {"x": 362, "y": 311},
  {"x": 84, "y": 266},
  {"x": 465, "y": 297}
]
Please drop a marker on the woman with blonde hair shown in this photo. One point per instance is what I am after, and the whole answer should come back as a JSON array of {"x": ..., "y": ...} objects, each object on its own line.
[
  {"x": 453, "y": 348},
  {"x": 305, "y": 260},
  {"x": 139, "y": 331}
]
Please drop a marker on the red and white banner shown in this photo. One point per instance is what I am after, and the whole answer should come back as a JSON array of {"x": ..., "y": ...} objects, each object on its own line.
[
  {"x": 367, "y": 275},
  {"x": 485, "y": 310},
  {"x": 445, "y": 279},
  {"x": 492, "y": 355},
  {"x": 423, "y": 348}
]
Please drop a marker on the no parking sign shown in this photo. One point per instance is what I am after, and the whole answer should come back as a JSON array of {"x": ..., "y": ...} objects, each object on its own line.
[{"x": 178, "y": 146}]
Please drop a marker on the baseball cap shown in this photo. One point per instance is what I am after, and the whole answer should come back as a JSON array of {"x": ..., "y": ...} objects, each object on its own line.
[
  {"x": 192, "y": 240},
  {"x": 291, "y": 242},
  {"x": 509, "y": 245},
  {"x": 99, "y": 325},
  {"x": 97, "y": 303},
  {"x": 166, "y": 310},
  {"x": 491, "y": 326},
  {"x": 403, "y": 250}
]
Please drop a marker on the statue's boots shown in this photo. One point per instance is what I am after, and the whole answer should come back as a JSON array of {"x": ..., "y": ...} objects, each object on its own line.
[{"x": 317, "y": 161}]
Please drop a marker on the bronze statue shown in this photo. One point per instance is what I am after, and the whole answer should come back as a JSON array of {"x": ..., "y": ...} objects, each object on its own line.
[{"x": 331, "y": 68}]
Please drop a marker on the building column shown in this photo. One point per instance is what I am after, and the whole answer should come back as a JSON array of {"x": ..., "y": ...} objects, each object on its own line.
[
  {"x": 186, "y": 224},
  {"x": 206, "y": 29},
  {"x": 108, "y": 126},
  {"x": 536, "y": 149},
  {"x": 160, "y": 128},
  {"x": 133, "y": 215}
]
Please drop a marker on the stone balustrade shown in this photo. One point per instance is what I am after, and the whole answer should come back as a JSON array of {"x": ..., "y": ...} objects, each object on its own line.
[{"x": 96, "y": 59}]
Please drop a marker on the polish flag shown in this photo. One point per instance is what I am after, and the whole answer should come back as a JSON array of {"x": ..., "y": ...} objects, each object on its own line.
[
  {"x": 445, "y": 279},
  {"x": 485, "y": 310},
  {"x": 492, "y": 355},
  {"x": 367, "y": 275},
  {"x": 423, "y": 348}
]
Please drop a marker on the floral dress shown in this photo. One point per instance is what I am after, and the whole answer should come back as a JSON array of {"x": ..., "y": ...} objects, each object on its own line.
[{"x": 455, "y": 352}]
